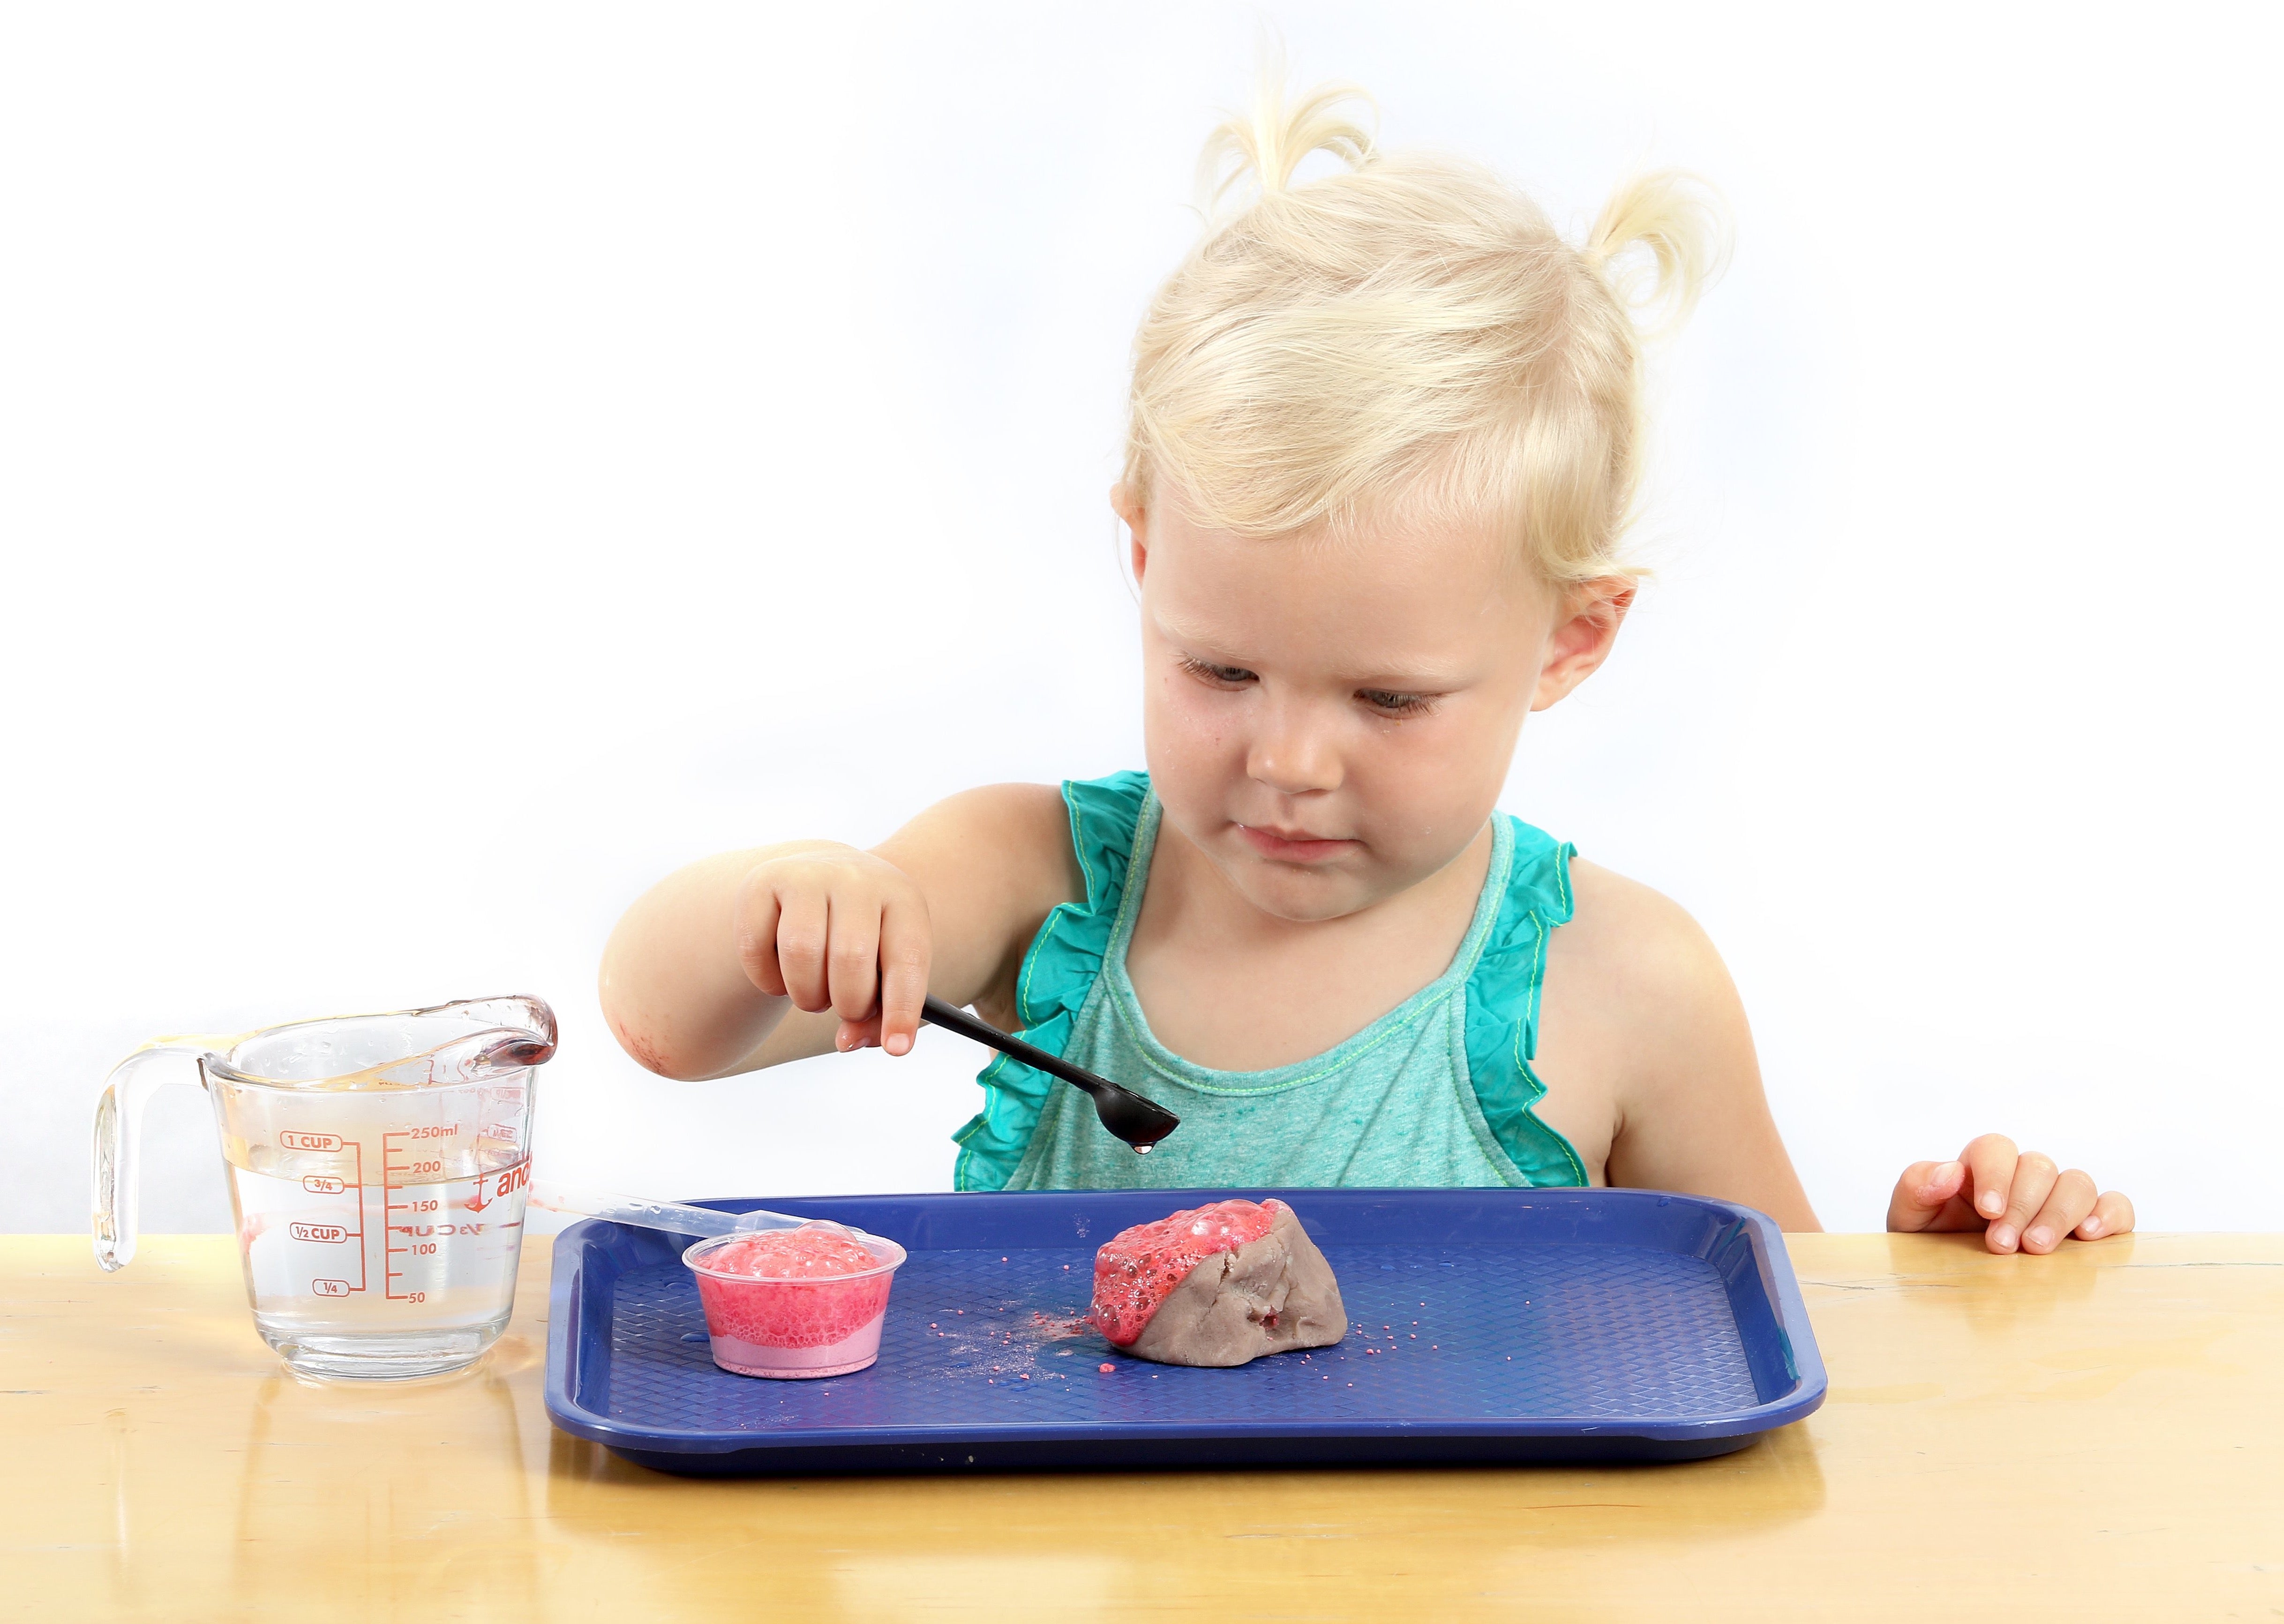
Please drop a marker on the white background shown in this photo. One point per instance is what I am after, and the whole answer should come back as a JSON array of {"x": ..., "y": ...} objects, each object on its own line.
[{"x": 457, "y": 463}]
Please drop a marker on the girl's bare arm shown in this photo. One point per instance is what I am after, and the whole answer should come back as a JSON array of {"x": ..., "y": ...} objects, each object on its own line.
[
  {"x": 1692, "y": 1116},
  {"x": 756, "y": 957},
  {"x": 1670, "y": 1032}
]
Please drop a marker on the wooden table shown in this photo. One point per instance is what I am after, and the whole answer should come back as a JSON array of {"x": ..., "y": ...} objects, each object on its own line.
[{"x": 2095, "y": 1435}]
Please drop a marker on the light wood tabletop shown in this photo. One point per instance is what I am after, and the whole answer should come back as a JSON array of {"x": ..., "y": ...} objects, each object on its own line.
[{"x": 2094, "y": 1435}]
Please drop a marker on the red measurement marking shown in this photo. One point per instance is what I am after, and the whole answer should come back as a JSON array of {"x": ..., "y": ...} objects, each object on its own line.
[
  {"x": 356, "y": 1164},
  {"x": 391, "y": 1192},
  {"x": 327, "y": 1184},
  {"x": 396, "y": 1166}
]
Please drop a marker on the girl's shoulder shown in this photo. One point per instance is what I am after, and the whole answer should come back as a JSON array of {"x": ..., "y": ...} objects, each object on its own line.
[
  {"x": 1642, "y": 1017},
  {"x": 1632, "y": 980},
  {"x": 1638, "y": 944},
  {"x": 1617, "y": 917}
]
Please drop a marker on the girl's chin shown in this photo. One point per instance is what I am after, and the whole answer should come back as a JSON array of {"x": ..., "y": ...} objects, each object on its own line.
[{"x": 1297, "y": 895}]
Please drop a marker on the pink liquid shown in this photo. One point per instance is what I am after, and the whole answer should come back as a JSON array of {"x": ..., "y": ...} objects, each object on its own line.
[{"x": 791, "y": 1309}]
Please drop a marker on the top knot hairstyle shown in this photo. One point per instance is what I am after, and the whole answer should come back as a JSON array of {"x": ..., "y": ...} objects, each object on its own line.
[{"x": 1407, "y": 335}]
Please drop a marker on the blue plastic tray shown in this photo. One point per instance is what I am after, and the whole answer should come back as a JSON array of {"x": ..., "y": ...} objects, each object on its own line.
[{"x": 1485, "y": 1324}]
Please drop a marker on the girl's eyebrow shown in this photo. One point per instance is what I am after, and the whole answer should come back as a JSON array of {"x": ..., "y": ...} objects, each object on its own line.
[{"x": 1176, "y": 630}]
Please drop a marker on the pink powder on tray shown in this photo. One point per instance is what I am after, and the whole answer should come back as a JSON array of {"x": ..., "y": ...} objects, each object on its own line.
[{"x": 802, "y": 1302}]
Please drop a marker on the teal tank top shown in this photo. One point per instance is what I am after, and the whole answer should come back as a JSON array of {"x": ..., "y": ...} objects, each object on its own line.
[{"x": 1437, "y": 1092}]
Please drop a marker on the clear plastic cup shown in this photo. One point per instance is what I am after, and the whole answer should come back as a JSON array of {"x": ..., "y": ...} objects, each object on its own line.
[{"x": 798, "y": 1328}]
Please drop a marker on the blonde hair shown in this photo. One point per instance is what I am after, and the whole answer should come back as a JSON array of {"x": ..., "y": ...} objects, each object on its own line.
[{"x": 1407, "y": 332}]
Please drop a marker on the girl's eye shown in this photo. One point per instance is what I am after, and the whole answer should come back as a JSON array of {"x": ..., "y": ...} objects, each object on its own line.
[
  {"x": 1395, "y": 704},
  {"x": 1221, "y": 676}
]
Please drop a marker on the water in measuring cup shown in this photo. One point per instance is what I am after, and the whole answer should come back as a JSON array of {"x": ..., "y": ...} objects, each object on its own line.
[{"x": 390, "y": 1254}]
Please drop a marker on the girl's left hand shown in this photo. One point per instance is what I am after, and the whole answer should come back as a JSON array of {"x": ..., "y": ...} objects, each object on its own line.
[{"x": 2018, "y": 1200}]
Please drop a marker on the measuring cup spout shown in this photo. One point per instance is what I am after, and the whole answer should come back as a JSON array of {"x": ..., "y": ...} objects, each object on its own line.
[
  {"x": 525, "y": 1019},
  {"x": 522, "y": 1034},
  {"x": 468, "y": 1060}
]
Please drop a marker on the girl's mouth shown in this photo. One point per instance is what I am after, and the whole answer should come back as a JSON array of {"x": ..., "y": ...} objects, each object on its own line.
[{"x": 1293, "y": 846}]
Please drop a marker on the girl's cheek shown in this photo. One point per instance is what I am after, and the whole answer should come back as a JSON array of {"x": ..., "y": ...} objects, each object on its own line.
[
  {"x": 1193, "y": 743},
  {"x": 1195, "y": 717}
]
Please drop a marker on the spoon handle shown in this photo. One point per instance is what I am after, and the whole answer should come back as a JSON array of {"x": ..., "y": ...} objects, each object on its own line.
[{"x": 937, "y": 1012}]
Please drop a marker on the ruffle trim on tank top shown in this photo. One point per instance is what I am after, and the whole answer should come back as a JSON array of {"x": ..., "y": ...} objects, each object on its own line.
[
  {"x": 1502, "y": 1029},
  {"x": 1058, "y": 971}
]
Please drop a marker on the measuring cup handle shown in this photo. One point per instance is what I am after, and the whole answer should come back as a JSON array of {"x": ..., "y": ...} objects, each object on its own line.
[{"x": 117, "y": 1140}]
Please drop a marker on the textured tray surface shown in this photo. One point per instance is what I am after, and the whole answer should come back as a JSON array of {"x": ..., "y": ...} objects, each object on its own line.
[
  {"x": 1578, "y": 1319},
  {"x": 1440, "y": 1334}
]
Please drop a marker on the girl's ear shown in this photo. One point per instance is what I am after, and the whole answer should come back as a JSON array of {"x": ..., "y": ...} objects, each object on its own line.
[
  {"x": 1581, "y": 640},
  {"x": 1128, "y": 506}
]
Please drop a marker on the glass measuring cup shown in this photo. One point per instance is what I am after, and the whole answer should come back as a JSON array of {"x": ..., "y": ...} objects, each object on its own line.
[{"x": 378, "y": 1170}]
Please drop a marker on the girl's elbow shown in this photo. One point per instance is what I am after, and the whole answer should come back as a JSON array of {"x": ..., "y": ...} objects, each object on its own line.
[
  {"x": 640, "y": 1037},
  {"x": 651, "y": 1052}
]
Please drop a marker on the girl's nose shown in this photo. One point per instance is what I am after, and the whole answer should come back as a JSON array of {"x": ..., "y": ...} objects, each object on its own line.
[{"x": 1291, "y": 756}]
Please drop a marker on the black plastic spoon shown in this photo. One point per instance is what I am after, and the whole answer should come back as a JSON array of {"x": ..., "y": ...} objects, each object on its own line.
[{"x": 1125, "y": 1113}]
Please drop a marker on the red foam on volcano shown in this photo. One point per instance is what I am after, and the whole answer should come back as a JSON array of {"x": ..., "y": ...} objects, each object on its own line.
[{"x": 1137, "y": 1268}]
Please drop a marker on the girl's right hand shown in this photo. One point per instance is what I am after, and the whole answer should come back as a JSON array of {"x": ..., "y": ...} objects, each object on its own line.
[{"x": 832, "y": 927}]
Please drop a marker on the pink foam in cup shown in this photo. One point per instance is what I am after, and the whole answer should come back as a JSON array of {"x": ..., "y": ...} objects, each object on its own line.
[{"x": 794, "y": 1303}]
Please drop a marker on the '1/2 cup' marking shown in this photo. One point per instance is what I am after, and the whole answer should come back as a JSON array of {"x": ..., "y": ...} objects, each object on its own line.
[
  {"x": 331, "y": 1232},
  {"x": 296, "y": 1141}
]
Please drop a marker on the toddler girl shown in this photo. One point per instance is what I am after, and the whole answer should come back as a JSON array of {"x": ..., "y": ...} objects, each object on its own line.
[{"x": 1384, "y": 443}]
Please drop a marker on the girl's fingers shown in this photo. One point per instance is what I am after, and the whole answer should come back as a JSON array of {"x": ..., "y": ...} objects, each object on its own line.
[
  {"x": 757, "y": 939},
  {"x": 863, "y": 1034},
  {"x": 853, "y": 957},
  {"x": 1923, "y": 1194},
  {"x": 2034, "y": 1181},
  {"x": 800, "y": 938},
  {"x": 905, "y": 944},
  {"x": 1990, "y": 1174},
  {"x": 2112, "y": 1215},
  {"x": 2066, "y": 1205}
]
